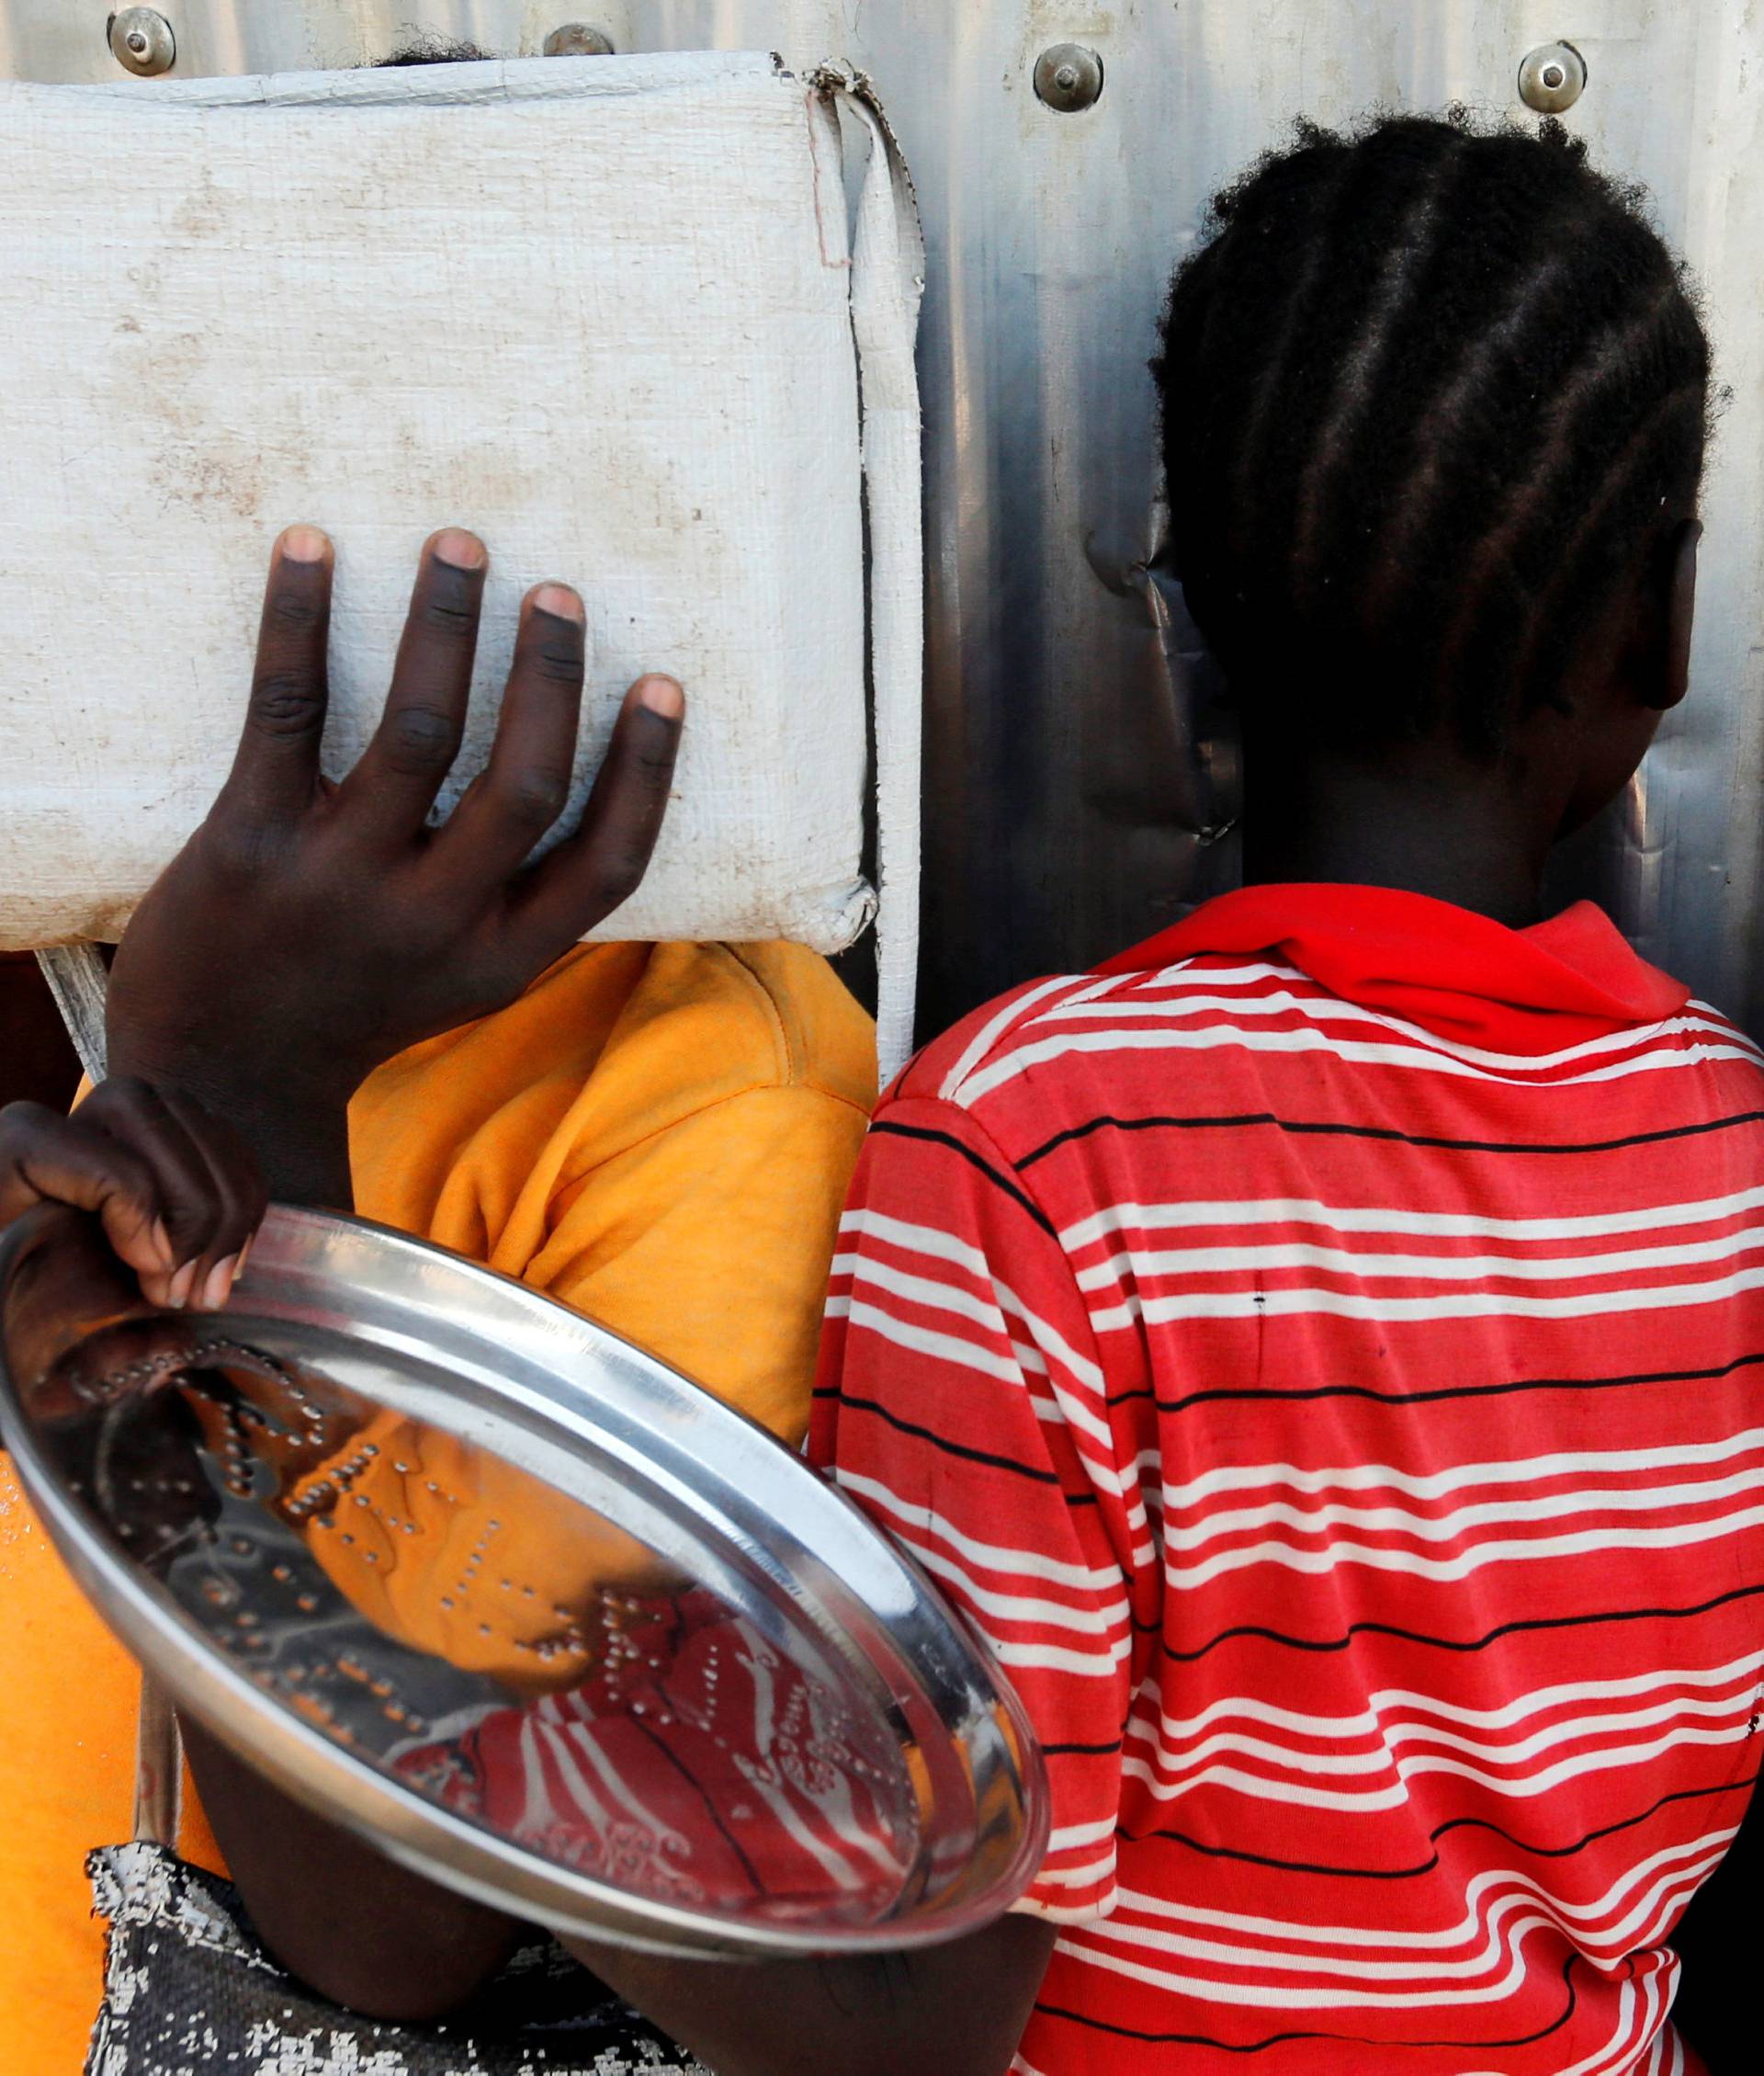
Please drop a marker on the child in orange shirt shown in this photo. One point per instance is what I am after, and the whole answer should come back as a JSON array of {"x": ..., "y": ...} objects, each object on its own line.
[{"x": 660, "y": 1135}]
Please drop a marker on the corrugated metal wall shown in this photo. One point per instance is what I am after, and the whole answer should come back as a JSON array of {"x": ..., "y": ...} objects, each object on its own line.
[{"x": 1077, "y": 780}]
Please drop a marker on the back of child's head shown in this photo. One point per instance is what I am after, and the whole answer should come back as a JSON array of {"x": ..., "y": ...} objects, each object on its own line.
[{"x": 1430, "y": 395}]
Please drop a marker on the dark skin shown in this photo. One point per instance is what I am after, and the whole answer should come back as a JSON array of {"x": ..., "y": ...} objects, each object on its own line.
[
  {"x": 339, "y": 926},
  {"x": 176, "y": 1189},
  {"x": 1429, "y": 818},
  {"x": 1433, "y": 818}
]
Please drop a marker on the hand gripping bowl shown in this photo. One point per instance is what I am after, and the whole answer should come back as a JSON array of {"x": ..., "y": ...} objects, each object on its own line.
[{"x": 462, "y": 1571}]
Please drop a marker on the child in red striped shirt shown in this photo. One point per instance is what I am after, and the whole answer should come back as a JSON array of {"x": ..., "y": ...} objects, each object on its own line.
[{"x": 1323, "y": 1348}]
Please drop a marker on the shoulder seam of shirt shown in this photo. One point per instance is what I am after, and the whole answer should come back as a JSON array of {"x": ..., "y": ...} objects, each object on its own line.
[
  {"x": 792, "y": 1064},
  {"x": 796, "y": 1069},
  {"x": 1012, "y": 1180},
  {"x": 1003, "y": 1028},
  {"x": 789, "y": 1063}
]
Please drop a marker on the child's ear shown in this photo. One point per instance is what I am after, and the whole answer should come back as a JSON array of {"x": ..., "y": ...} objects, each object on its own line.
[{"x": 1674, "y": 588}]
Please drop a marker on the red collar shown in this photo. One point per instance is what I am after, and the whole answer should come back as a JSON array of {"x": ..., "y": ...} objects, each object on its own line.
[{"x": 1455, "y": 973}]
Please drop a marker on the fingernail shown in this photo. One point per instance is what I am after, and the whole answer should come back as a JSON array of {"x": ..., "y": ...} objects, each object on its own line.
[
  {"x": 463, "y": 550},
  {"x": 162, "y": 1240},
  {"x": 304, "y": 544},
  {"x": 219, "y": 1288},
  {"x": 178, "y": 1291},
  {"x": 662, "y": 696},
  {"x": 245, "y": 1256},
  {"x": 559, "y": 601}
]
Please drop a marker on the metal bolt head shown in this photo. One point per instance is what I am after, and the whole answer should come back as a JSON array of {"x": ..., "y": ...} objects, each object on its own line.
[
  {"x": 578, "y": 40},
  {"x": 1552, "y": 78},
  {"x": 1068, "y": 78},
  {"x": 142, "y": 41}
]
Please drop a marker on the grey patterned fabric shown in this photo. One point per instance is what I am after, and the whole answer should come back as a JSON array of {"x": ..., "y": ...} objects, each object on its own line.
[{"x": 189, "y": 1992}]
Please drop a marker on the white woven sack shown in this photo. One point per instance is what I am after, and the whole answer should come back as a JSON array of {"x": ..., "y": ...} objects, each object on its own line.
[{"x": 603, "y": 310}]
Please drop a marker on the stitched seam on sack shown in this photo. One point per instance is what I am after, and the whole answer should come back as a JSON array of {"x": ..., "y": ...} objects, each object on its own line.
[{"x": 819, "y": 96}]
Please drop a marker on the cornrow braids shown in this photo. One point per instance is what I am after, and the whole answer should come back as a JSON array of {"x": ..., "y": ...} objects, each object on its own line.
[
  {"x": 1426, "y": 393},
  {"x": 429, "y": 49}
]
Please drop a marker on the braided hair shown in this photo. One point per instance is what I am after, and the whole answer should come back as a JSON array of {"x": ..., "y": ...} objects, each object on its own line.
[
  {"x": 1428, "y": 394},
  {"x": 428, "y": 49}
]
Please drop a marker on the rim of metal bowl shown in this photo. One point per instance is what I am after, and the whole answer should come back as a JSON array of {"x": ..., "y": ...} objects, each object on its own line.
[{"x": 450, "y": 1849}]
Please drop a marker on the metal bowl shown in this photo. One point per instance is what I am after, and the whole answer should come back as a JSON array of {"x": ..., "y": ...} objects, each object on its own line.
[{"x": 546, "y": 1622}]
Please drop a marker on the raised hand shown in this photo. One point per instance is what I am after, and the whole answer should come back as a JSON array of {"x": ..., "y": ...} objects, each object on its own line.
[{"x": 311, "y": 930}]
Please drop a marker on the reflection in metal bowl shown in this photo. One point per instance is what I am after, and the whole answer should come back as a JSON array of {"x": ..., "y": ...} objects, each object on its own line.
[{"x": 464, "y": 1570}]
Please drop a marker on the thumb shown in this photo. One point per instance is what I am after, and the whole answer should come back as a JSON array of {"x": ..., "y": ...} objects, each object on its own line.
[{"x": 49, "y": 1159}]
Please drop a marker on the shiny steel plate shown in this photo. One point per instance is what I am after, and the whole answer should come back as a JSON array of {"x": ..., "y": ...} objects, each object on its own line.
[{"x": 464, "y": 1571}]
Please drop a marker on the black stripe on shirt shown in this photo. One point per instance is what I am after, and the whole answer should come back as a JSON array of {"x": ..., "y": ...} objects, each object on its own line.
[
  {"x": 1383, "y": 2046},
  {"x": 886, "y": 1127},
  {"x": 1639, "y": 1379},
  {"x": 1540, "y": 1623},
  {"x": 1301, "y": 1128},
  {"x": 942, "y": 1443},
  {"x": 1427, "y": 1866},
  {"x": 838, "y": 1393}
]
